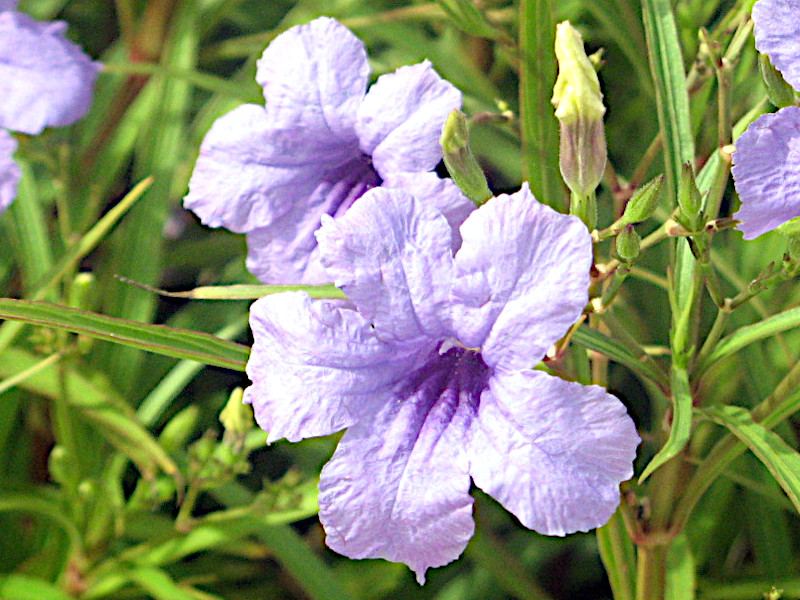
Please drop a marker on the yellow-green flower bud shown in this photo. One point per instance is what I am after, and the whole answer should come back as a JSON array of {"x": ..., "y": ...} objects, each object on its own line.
[
  {"x": 580, "y": 110},
  {"x": 237, "y": 418}
]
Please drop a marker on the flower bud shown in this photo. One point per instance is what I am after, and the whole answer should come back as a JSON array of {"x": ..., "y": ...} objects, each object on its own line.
[
  {"x": 580, "y": 110},
  {"x": 644, "y": 201},
  {"x": 460, "y": 161},
  {"x": 689, "y": 200},
  {"x": 236, "y": 418},
  {"x": 780, "y": 93},
  {"x": 628, "y": 243}
]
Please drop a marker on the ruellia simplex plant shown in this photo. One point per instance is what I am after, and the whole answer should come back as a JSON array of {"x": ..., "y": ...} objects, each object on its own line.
[{"x": 502, "y": 294}]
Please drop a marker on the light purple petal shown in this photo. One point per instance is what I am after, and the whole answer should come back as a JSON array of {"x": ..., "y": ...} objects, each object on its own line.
[
  {"x": 45, "y": 80},
  {"x": 521, "y": 278},
  {"x": 442, "y": 194},
  {"x": 314, "y": 78},
  {"x": 777, "y": 33},
  {"x": 286, "y": 251},
  {"x": 8, "y": 5},
  {"x": 766, "y": 172},
  {"x": 392, "y": 256},
  {"x": 317, "y": 368},
  {"x": 551, "y": 451},
  {"x": 400, "y": 121},
  {"x": 9, "y": 171},
  {"x": 242, "y": 181},
  {"x": 397, "y": 486}
]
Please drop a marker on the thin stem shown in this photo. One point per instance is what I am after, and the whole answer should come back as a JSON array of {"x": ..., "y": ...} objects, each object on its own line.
[{"x": 651, "y": 573}]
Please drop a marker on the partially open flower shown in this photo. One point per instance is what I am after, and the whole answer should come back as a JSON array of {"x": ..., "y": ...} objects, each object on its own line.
[{"x": 580, "y": 110}]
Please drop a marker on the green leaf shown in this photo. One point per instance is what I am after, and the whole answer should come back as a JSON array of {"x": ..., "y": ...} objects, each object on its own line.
[
  {"x": 752, "y": 333},
  {"x": 170, "y": 341},
  {"x": 468, "y": 18},
  {"x": 97, "y": 403},
  {"x": 159, "y": 584},
  {"x": 22, "y": 587},
  {"x": 681, "y": 423},
  {"x": 538, "y": 123},
  {"x": 782, "y": 461},
  {"x": 672, "y": 100},
  {"x": 592, "y": 339},
  {"x": 244, "y": 291}
]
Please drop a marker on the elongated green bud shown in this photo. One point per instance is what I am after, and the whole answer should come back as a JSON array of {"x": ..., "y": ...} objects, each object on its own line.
[
  {"x": 689, "y": 200},
  {"x": 644, "y": 201},
  {"x": 579, "y": 110},
  {"x": 460, "y": 161},
  {"x": 628, "y": 244},
  {"x": 780, "y": 93}
]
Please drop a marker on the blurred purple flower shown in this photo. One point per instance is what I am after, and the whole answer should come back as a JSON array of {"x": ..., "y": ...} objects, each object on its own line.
[
  {"x": 9, "y": 171},
  {"x": 45, "y": 80},
  {"x": 321, "y": 141},
  {"x": 431, "y": 374},
  {"x": 777, "y": 33},
  {"x": 766, "y": 164}
]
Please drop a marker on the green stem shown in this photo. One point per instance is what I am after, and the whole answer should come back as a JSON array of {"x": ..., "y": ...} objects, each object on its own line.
[{"x": 651, "y": 573}]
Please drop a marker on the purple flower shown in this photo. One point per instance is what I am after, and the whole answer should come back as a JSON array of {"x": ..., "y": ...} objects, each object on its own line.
[
  {"x": 9, "y": 171},
  {"x": 321, "y": 141},
  {"x": 45, "y": 80},
  {"x": 766, "y": 164},
  {"x": 431, "y": 373},
  {"x": 777, "y": 33}
]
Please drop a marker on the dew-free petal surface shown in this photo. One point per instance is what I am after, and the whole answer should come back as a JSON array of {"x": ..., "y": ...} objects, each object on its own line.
[
  {"x": 45, "y": 80},
  {"x": 397, "y": 486},
  {"x": 551, "y": 451},
  {"x": 314, "y": 78},
  {"x": 400, "y": 121},
  {"x": 286, "y": 251},
  {"x": 241, "y": 182},
  {"x": 766, "y": 172},
  {"x": 777, "y": 33},
  {"x": 392, "y": 256},
  {"x": 8, "y": 5},
  {"x": 316, "y": 368},
  {"x": 521, "y": 278},
  {"x": 442, "y": 194},
  {"x": 9, "y": 171}
]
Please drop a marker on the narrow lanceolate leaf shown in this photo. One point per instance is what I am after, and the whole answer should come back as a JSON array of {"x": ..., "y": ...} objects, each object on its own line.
[
  {"x": 752, "y": 333},
  {"x": 782, "y": 461},
  {"x": 681, "y": 422},
  {"x": 538, "y": 123},
  {"x": 169, "y": 341},
  {"x": 666, "y": 64},
  {"x": 243, "y": 291},
  {"x": 591, "y": 339}
]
